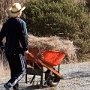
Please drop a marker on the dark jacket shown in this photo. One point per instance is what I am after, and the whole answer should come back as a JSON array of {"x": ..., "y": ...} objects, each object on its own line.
[{"x": 15, "y": 32}]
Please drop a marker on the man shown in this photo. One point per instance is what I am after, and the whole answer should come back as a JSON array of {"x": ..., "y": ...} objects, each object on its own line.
[{"x": 15, "y": 31}]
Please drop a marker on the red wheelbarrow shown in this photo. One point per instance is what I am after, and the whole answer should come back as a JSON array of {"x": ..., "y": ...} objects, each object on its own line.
[{"x": 38, "y": 59}]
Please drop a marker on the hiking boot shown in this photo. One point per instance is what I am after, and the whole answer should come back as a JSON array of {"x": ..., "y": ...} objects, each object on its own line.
[{"x": 7, "y": 86}]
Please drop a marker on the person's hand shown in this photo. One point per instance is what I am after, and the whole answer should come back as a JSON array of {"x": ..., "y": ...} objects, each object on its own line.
[
  {"x": 26, "y": 52},
  {"x": 28, "y": 55}
]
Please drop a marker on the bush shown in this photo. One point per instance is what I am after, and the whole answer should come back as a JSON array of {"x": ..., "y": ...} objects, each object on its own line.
[{"x": 53, "y": 17}]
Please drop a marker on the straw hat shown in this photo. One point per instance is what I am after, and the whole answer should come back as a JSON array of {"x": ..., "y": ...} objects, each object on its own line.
[{"x": 15, "y": 10}]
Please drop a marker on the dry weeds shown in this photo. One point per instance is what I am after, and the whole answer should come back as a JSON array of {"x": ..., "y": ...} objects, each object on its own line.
[{"x": 53, "y": 43}]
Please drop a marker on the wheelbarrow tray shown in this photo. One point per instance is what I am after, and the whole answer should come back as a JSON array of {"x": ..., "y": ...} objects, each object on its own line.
[{"x": 51, "y": 57}]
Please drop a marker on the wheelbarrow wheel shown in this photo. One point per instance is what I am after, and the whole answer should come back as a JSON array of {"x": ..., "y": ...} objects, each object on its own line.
[
  {"x": 51, "y": 83},
  {"x": 54, "y": 80},
  {"x": 51, "y": 79}
]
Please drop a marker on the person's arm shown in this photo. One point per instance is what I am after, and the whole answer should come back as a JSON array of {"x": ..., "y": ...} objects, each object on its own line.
[
  {"x": 24, "y": 36},
  {"x": 2, "y": 34}
]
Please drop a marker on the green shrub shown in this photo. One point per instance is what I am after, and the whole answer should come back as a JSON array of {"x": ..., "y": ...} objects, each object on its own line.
[{"x": 47, "y": 17}]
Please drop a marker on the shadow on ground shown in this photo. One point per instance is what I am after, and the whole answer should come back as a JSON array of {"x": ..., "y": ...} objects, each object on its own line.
[{"x": 38, "y": 87}]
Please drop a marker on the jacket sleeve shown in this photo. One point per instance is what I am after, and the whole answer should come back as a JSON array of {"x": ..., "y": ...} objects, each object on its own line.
[
  {"x": 2, "y": 34},
  {"x": 24, "y": 36}
]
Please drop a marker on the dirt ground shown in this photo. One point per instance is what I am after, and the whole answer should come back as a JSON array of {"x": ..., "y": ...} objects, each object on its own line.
[{"x": 76, "y": 77}]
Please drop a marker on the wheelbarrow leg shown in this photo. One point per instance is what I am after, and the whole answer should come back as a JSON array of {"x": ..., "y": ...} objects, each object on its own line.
[
  {"x": 26, "y": 75},
  {"x": 26, "y": 78},
  {"x": 32, "y": 79},
  {"x": 59, "y": 71},
  {"x": 41, "y": 82},
  {"x": 59, "y": 68}
]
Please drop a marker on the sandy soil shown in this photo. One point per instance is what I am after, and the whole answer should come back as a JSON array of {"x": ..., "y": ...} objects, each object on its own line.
[{"x": 76, "y": 77}]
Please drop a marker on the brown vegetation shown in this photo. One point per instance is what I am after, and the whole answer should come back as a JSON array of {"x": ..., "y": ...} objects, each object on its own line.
[{"x": 54, "y": 43}]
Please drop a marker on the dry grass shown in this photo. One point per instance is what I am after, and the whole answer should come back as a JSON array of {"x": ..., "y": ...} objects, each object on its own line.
[
  {"x": 4, "y": 71},
  {"x": 53, "y": 43}
]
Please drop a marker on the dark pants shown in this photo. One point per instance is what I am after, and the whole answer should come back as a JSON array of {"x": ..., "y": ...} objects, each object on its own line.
[{"x": 17, "y": 66}]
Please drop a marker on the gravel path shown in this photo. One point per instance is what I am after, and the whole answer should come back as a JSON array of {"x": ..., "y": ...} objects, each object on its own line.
[{"x": 76, "y": 77}]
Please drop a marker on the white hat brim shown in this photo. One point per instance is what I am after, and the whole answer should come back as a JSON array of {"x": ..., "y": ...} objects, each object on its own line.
[
  {"x": 23, "y": 8},
  {"x": 11, "y": 14}
]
